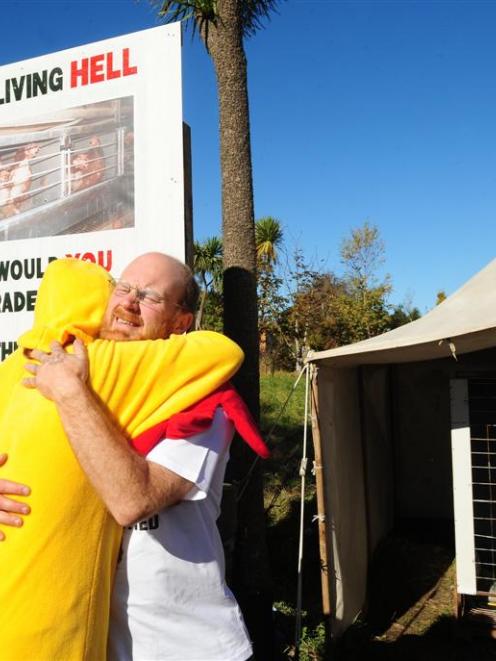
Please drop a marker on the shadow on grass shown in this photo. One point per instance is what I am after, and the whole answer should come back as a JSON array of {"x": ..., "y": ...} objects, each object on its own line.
[
  {"x": 444, "y": 641},
  {"x": 407, "y": 567},
  {"x": 283, "y": 538},
  {"x": 411, "y": 603}
]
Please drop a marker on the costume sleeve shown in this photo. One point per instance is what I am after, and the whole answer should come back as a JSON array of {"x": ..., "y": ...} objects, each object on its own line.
[
  {"x": 198, "y": 457},
  {"x": 146, "y": 382}
]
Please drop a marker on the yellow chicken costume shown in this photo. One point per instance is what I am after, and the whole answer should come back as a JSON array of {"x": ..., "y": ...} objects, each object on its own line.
[{"x": 56, "y": 571}]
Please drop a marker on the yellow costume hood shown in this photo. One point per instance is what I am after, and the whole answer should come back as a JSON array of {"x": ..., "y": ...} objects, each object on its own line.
[
  {"x": 57, "y": 569},
  {"x": 71, "y": 301}
]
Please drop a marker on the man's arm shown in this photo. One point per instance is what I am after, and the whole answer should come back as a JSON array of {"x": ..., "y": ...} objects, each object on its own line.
[
  {"x": 10, "y": 508},
  {"x": 131, "y": 487}
]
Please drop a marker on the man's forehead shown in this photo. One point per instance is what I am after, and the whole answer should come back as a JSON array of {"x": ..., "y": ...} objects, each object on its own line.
[{"x": 154, "y": 271}]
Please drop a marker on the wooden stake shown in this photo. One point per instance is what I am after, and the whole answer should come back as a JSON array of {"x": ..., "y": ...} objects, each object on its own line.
[{"x": 321, "y": 506}]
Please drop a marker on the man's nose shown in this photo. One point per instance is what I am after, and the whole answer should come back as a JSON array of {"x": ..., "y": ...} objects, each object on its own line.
[{"x": 131, "y": 299}]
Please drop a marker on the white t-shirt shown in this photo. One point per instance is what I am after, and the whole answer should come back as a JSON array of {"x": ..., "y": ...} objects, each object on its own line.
[{"x": 170, "y": 600}]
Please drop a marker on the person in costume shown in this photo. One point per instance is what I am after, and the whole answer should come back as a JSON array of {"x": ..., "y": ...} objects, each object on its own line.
[
  {"x": 170, "y": 600},
  {"x": 57, "y": 569}
]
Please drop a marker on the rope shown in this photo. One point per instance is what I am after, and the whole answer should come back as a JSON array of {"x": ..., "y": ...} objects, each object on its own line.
[{"x": 303, "y": 472}]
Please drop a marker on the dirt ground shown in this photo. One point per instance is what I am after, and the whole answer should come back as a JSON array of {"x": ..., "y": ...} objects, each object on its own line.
[{"x": 411, "y": 610}]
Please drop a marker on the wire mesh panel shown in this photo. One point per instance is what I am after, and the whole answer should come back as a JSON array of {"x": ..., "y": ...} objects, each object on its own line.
[{"x": 482, "y": 407}]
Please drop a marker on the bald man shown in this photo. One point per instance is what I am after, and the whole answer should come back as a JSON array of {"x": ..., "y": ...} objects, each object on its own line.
[{"x": 170, "y": 599}]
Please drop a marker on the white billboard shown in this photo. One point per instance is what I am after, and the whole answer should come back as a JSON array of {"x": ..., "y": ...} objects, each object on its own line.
[{"x": 91, "y": 162}]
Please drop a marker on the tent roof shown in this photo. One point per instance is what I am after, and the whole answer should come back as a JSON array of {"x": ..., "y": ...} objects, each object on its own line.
[{"x": 465, "y": 321}]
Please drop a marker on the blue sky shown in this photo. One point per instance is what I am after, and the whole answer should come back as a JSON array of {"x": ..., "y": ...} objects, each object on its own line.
[{"x": 360, "y": 110}]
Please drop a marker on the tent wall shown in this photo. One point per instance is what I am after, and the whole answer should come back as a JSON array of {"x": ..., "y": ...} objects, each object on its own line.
[
  {"x": 339, "y": 422},
  {"x": 386, "y": 454},
  {"x": 422, "y": 439},
  {"x": 378, "y": 451},
  {"x": 422, "y": 431}
]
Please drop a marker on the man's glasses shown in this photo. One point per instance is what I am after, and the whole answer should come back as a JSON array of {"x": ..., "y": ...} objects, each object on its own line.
[{"x": 148, "y": 297}]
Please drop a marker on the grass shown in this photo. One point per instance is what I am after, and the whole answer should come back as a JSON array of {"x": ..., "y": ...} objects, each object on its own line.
[{"x": 284, "y": 433}]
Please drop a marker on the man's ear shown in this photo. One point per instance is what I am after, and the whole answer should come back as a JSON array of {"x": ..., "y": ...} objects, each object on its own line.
[{"x": 183, "y": 322}]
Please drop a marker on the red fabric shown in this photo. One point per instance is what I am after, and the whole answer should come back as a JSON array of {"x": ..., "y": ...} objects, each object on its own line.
[{"x": 199, "y": 417}]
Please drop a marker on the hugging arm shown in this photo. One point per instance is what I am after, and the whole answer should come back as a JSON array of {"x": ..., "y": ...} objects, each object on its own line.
[{"x": 131, "y": 487}]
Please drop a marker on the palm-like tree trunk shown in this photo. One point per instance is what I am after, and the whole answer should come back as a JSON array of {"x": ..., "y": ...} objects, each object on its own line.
[
  {"x": 240, "y": 312},
  {"x": 251, "y": 578}
]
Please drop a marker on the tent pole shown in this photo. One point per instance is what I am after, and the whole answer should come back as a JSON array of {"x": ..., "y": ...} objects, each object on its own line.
[{"x": 321, "y": 507}]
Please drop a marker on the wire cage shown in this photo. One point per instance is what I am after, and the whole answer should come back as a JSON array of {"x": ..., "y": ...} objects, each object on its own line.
[
  {"x": 482, "y": 398},
  {"x": 475, "y": 502},
  {"x": 68, "y": 176}
]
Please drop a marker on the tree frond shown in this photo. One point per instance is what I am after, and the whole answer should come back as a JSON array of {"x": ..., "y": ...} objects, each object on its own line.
[
  {"x": 208, "y": 256},
  {"x": 201, "y": 14},
  {"x": 169, "y": 11},
  {"x": 255, "y": 13},
  {"x": 268, "y": 237},
  {"x": 198, "y": 14}
]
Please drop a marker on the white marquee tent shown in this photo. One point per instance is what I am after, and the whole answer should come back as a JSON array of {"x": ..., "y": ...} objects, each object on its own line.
[{"x": 382, "y": 425}]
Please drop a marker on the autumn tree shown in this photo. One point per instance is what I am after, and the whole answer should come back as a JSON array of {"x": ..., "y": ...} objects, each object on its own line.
[
  {"x": 315, "y": 318},
  {"x": 363, "y": 306},
  {"x": 402, "y": 314}
]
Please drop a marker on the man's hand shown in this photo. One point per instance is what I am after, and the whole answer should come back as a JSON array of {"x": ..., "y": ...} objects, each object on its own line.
[
  {"x": 59, "y": 374},
  {"x": 10, "y": 508}
]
